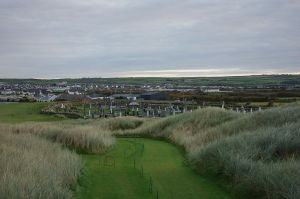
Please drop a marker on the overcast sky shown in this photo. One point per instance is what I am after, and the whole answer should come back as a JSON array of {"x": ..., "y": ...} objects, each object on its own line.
[{"x": 114, "y": 38}]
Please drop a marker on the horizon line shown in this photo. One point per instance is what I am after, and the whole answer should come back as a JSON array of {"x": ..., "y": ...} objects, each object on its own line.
[{"x": 120, "y": 77}]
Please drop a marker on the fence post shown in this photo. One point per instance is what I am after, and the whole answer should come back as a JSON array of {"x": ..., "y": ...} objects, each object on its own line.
[
  {"x": 150, "y": 184},
  {"x": 143, "y": 147},
  {"x": 156, "y": 194},
  {"x": 142, "y": 171}
]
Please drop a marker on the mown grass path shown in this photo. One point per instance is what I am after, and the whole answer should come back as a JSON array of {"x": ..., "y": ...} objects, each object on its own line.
[
  {"x": 24, "y": 112},
  {"x": 114, "y": 174}
]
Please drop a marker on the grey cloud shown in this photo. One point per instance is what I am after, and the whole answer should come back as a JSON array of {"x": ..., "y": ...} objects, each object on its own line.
[{"x": 111, "y": 38}]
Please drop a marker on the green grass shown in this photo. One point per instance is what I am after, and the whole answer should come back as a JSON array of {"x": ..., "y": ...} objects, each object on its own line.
[
  {"x": 24, "y": 112},
  {"x": 161, "y": 161}
]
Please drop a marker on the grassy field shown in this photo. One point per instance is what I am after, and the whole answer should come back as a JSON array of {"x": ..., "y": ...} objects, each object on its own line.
[
  {"x": 159, "y": 160},
  {"x": 24, "y": 112},
  {"x": 256, "y": 155}
]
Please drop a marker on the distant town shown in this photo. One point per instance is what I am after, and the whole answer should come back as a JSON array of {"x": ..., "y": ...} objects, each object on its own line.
[{"x": 147, "y": 97}]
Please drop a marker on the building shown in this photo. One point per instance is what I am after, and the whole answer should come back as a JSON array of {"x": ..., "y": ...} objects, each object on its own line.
[
  {"x": 96, "y": 96},
  {"x": 76, "y": 91},
  {"x": 131, "y": 97},
  {"x": 211, "y": 90},
  {"x": 155, "y": 96},
  {"x": 47, "y": 98},
  {"x": 133, "y": 104},
  {"x": 72, "y": 98}
]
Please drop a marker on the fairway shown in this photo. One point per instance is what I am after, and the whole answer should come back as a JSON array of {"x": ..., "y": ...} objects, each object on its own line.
[
  {"x": 24, "y": 112},
  {"x": 143, "y": 168}
]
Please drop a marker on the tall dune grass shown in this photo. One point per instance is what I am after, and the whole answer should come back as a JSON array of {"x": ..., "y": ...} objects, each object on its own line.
[
  {"x": 258, "y": 153},
  {"x": 82, "y": 135},
  {"x": 275, "y": 117},
  {"x": 34, "y": 162},
  {"x": 32, "y": 167},
  {"x": 261, "y": 163},
  {"x": 182, "y": 129},
  {"x": 122, "y": 123},
  {"x": 84, "y": 138}
]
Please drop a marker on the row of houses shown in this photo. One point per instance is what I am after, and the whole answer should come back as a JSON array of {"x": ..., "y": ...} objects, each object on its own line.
[{"x": 80, "y": 97}]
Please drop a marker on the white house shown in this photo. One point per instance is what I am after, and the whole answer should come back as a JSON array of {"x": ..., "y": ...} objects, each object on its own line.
[{"x": 47, "y": 98}]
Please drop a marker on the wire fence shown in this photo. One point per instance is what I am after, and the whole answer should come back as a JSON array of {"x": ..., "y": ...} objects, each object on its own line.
[{"x": 134, "y": 152}]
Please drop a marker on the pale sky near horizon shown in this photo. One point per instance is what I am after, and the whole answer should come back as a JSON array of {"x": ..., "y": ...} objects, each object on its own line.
[{"x": 119, "y": 38}]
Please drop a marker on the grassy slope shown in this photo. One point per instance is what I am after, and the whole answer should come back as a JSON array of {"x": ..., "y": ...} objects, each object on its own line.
[
  {"x": 24, "y": 112},
  {"x": 162, "y": 161}
]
